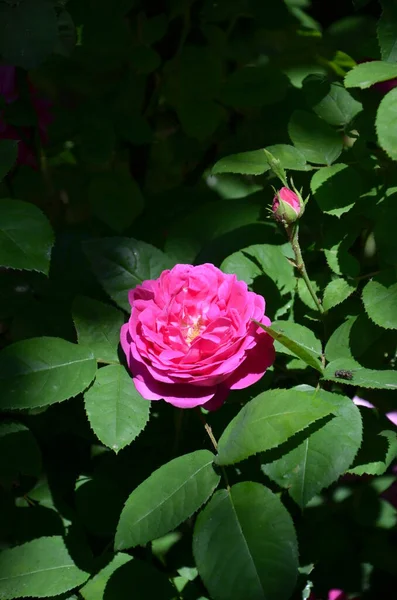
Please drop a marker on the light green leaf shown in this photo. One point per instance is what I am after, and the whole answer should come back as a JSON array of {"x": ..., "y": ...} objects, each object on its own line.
[
  {"x": 336, "y": 188},
  {"x": 338, "y": 345},
  {"x": 116, "y": 411},
  {"x": 323, "y": 456},
  {"x": 386, "y": 122},
  {"x": 336, "y": 292},
  {"x": 361, "y": 377},
  {"x": 40, "y": 568},
  {"x": 28, "y": 32},
  {"x": 42, "y": 371},
  {"x": 19, "y": 453},
  {"x": 120, "y": 264},
  {"x": 245, "y": 163},
  {"x": 314, "y": 138},
  {"x": 8, "y": 156},
  {"x": 26, "y": 237},
  {"x": 94, "y": 589},
  {"x": 330, "y": 101},
  {"x": 251, "y": 262},
  {"x": 380, "y": 300},
  {"x": 376, "y": 455},
  {"x": 304, "y": 348},
  {"x": 167, "y": 498},
  {"x": 235, "y": 562},
  {"x": 305, "y": 295},
  {"x": 290, "y": 158},
  {"x": 116, "y": 199},
  {"x": 98, "y": 327},
  {"x": 387, "y": 28},
  {"x": 366, "y": 74},
  {"x": 267, "y": 421}
]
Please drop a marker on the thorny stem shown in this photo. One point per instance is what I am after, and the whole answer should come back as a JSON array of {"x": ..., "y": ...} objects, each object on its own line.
[
  {"x": 292, "y": 232},
  {"x": 213, "y": 441}
]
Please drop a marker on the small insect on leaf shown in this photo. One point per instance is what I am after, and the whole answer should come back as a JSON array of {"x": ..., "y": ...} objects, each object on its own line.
[{"x": 342, "y": 374}]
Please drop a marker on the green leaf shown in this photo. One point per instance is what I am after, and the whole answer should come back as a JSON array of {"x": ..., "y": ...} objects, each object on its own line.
[
  {"x": 315, "y": 139},
  {"x": 307, "y": 349},
  {"x": 361, "y": 377},
  {"x": 336, "y": 188},
  {"x": 120, "y": 264},
  {"x": 386, "y": 123},
  {"x": 254, "y": 87},
  {"x": 98, "y": 327},
  {"x": 28, "y": 32},
  {"x": 116, "y": 411},
  {"x": 245, "y": 546},
  {"x": 330, "y": 101},
  {"x": 26, "y": 237},
  {"x": 116, "y": 199},
  {"x": 380, "y": 300},
  {"x": 98, "y": 502},
  {"x": 336, "y": 292},
  {"x": 42, "y": 371},
  {"x": 8, "y": 156},
  {"x": 366, "y": 74},
  {"x": 290, "y": 158},
  {"x": 94, "y": 589},
  {"x": 245, "y": 163},
  {"x": 19, "y": 453},
  {"x": 267, "y": 421},
  {"x": 323, "y": 456},
  {"x": 251, "y": 262},
  {"x": 40, "y": 568},
  {"x": 139, "y": 580},
  {"x": 387, "y": 28},
  {"x": 167, "y": 498}
]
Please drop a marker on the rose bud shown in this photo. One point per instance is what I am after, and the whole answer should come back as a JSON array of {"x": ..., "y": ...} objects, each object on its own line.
[
  {"x": 287, "y": 206},
  {"x": 191, "y": 337}
]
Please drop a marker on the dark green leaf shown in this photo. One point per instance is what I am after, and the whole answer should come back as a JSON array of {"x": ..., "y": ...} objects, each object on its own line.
[
  {"x": 254, "y": 87},
  {"x": 120, "y": 264},
  {"x": 314, "y": 138},
  {"x": 386, "y": 123},
  {"x": 98, "y": 327},
  {"x": 42, "y": 371},
  {"x": 368, "y": 73},
  {"x": 94, "y": 589},
  {"x": 26, "y": 237},
  {"x": 39, "y": 568},
  {"x": 116, "y": 199},
  {"x": 139, "y": 580},
  {"x": 19, "y": 453},
  {"x": 28, "y": 32},
  {"x": 116, "y": 411},
  {"x": 268, "y": 421},
  {"x": 387, "y": 28},
  {"x": 167, "y": 498},
  {"x": 323, "y": 456},
  {"x": 380, "y": 300},
  {"x": 336, "y": 188},
  {"x": 235, "y": 562},
  {"x": 330, "y": 101}
]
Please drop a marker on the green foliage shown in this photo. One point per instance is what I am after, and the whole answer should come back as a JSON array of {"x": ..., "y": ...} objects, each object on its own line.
[
  {"x": 43, "y": 567},
  {"x": 136, "y": 136},
  {"x": 170, "y": 496},
  {"x": 268, "y": 421},
  {"x": 26, "y": 237},
  {"x": 41, "y": 371},
  {"x": 225, "y": 542}
]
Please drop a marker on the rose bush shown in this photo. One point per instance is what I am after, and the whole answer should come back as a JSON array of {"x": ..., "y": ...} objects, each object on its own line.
[{"x": 191, "y": 336}]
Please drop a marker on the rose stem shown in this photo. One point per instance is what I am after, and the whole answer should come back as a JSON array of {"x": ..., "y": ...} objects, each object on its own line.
[
  {"x": 213, "y": 441},
  {"x": 293, "y": 235}
]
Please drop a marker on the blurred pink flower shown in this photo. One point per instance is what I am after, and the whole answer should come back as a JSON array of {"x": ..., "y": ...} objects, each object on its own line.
[
  {"x": 191, "y": 337},
  {"x": 392, "y": 415},
  {"x": 23, "y": 135}
]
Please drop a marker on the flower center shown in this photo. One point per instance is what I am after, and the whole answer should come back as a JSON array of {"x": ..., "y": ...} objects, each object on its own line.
[{"x": 192, "y": 329}]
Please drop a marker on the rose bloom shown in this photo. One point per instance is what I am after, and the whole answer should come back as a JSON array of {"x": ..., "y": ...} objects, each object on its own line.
[
  {"x": 287, "y": 206},
  {"x": 191, "y": 338}
]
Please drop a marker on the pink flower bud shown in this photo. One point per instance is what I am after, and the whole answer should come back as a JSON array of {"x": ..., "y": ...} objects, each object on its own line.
[{"x": 287, "y": 206}]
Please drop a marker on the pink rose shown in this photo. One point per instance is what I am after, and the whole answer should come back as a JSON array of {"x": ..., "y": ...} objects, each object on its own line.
[
  {"x": 190, "y": 337},
  {"x": 287, "y": 206}
]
